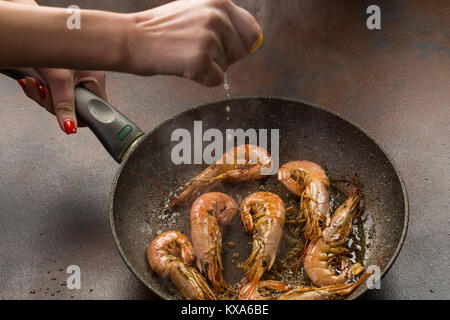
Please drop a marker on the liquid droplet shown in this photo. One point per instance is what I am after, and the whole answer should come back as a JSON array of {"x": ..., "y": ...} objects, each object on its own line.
[
  {"x": 226, "y": 86},
  {"x": 225, "y": 82}
]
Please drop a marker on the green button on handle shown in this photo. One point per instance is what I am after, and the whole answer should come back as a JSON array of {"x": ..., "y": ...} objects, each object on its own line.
[
  {"x": 115, "y": 131},
  {"x": 124, "y": 132}
]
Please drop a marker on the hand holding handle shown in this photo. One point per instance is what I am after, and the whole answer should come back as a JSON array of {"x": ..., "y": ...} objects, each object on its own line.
[{"x": 115, "y": 131}]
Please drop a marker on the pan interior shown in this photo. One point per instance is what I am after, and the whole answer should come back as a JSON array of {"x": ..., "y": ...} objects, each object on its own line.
[{"x": 306, "y": 133}]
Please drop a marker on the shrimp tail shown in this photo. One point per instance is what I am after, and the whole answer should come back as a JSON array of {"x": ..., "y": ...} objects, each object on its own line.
[
  {"x": 313, "y": 222},
  {"x": 251, "y": 280},
  {"x": 247, "y": 288},
  {"x": 347, "y": 289},
  {"x": 209, "y": 295},
  {"x": 214, "y": 274},
  {"x": 344, "y": 290},
  {"x": 191, "y": 283}
]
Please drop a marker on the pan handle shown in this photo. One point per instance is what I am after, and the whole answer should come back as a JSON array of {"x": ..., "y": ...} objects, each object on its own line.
[{"x": 115, "y": 131}]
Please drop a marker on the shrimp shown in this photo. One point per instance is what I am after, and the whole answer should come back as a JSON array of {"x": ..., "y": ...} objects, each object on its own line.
[
  {"x": 171, "y": 254},
  {"x": 309, "y": 181},
  {"x": 271, "y": 290},
  {"x": 263, "y": 215},
  {"x": 209, "y": 214},
  {"x": 323, "y": 293},
  {"x": 326, "y": 261},
  {"x": 239, "y": 164},
  {"x": 269, "y": 287}
]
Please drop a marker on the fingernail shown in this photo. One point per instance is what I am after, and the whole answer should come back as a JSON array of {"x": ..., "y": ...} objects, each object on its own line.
[
  {"x": 28, "y": 81},
  {"x": 69, "y": 126},
  {"x": 258, "y": 43},
  {"x": 41, "y": 91},
  {"x": 22, "y": 83}
]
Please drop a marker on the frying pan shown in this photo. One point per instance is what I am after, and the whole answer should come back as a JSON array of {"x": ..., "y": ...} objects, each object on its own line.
[{"x": 147, "y": 177}]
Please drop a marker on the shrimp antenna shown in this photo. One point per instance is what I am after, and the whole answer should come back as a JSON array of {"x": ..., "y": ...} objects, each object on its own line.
[{"x": 305, "y": 249}]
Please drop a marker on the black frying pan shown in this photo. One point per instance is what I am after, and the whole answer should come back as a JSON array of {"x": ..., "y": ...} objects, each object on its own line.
[{"x": 137, "y": 202}]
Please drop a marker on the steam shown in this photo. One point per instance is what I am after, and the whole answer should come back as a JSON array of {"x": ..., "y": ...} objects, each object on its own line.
[{"x": 302, "y": 14}]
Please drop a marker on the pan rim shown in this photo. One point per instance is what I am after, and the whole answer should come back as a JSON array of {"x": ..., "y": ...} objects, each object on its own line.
[{"x": 163, "y": 295}]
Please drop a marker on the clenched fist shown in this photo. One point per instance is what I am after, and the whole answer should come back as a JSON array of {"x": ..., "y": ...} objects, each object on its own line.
[{"x": 195, "y": 39}]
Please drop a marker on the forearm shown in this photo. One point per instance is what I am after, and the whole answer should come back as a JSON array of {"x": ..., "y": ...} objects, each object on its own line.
[
  {"x": 40, "y": 38},
  {"x": 24, "y": 1}
]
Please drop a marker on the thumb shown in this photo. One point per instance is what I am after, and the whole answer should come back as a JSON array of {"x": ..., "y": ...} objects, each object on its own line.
[{"x": 64, "y": 104}]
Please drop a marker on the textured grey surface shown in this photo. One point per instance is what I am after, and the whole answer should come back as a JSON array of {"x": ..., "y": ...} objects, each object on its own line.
[{"x": 394, "y": 83}]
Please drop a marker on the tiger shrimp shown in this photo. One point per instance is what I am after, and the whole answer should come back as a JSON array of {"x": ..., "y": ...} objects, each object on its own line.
[
  {"x": 171, "y": 254},
  {"x": 277, "y": 290},
  {"x": 323, "y": 293},
  {"x": 209, "y": 214},
  {"x": 326, "y": 261},
  {"x": 263, "y": 215},
  {"x": 264, "y": 290},
  {"x": 239, "y": 164},
  {"x": 309, "y": 181}
]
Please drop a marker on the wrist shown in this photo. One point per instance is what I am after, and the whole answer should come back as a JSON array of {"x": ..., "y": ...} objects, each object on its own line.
[
  {"x": 116, "y": 35},
  {"x": 125, "y": 60},
  {"x": 138, "y": 44}
]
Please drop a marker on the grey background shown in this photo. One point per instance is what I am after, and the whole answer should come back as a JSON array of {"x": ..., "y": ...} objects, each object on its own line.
[{"x": 394, "y": 83}]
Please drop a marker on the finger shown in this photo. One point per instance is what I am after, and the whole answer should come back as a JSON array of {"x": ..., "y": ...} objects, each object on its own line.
[
  {"x": 246, "y": 26},
  {"x": 208, "y": 64},
  {"x": 61, "y": 87},
  {"x": 225, "y": 35},
  {"x": 37, "y": 92},
  {"x": 233, "y": 46},
  {"x": 218, "y": 52},
  {"x": 94, "y": 81},
  {"x": 212, "y": 76}
]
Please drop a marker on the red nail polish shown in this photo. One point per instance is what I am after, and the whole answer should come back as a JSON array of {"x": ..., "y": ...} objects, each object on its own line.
[
  {"x": 41, "y": 91},
  {"x": 29, "y": 81},
  {"x": 22, "y": 83},
  {"x": 69, "y": 126}
]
